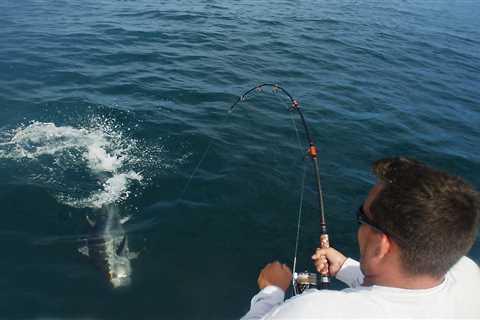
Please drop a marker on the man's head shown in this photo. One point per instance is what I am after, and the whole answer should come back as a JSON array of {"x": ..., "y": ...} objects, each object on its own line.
[{"x": 431, "y": 216}]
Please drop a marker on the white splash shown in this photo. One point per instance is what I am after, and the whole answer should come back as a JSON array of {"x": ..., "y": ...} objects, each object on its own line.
[
  {"x": 39, "y": 139},
  {"x": 101, "y": 150},
  {"x": 99, "y": 160},
  {"x": 114, "y": 189}
]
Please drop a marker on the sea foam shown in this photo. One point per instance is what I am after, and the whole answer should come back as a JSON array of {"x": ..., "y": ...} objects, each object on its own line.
[{"x": 101, "y": 150}]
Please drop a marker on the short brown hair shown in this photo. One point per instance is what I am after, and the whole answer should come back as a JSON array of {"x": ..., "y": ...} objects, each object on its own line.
[{"x": 435, "y": 213}]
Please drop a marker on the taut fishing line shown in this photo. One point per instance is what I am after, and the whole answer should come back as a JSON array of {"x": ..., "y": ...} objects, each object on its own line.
[
  {"x": 302, "y": 280},
  {"x": 200, "y": 162}
]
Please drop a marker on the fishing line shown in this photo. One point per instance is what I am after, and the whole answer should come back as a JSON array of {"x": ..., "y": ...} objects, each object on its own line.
[
  {"x": 300, "y": 205},
  {"x": 243, "y": 97},
  {"x": 299, "y": 223},
  {"x": 187, "y": 184},
  {"x": 202, "y": 159}
]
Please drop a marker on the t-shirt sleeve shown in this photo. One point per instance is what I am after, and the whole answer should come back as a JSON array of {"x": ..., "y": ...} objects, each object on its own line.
[
  {"x": 265, "y": 301},
  {"x": 350, "y": 273}
]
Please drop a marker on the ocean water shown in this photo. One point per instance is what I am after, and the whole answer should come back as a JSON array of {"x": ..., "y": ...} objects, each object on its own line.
[{"x": 115, "y": 103}]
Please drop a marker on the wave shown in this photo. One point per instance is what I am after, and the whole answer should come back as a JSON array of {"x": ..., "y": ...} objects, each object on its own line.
[{"x": 65, "y": 158}]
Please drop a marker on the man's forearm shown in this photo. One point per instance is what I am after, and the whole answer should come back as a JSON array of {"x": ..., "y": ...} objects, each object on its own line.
[
  {"x": 350, "y": 273},
  {"x": 264, "y": 302}
]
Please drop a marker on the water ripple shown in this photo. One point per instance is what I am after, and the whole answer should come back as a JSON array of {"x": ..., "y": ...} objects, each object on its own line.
[{"x": 374, "y": 78}]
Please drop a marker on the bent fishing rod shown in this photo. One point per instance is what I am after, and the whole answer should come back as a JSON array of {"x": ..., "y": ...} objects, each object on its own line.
[{"x": 302, "y": 280}]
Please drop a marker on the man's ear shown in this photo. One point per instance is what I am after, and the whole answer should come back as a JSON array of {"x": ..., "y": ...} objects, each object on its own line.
[{"x": 383, "y": 246}]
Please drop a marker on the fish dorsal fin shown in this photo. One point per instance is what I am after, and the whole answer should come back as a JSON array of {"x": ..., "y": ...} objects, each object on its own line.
[
  {"x": 133, "y": 255},
  {"x": 90, "y": 221},
  {"x": 84, "y": 250},
  {"x": 123, "y": 246},
  {"x": 125, "y": 219}
]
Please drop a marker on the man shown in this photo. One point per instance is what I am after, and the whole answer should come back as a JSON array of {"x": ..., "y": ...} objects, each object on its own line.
[{"x": 416, "y": 226}]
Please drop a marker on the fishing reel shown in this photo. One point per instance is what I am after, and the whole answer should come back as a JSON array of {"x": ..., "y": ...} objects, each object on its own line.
[
  {"x": 303, "y": 281},
  {"x": 306, "y": 280}
]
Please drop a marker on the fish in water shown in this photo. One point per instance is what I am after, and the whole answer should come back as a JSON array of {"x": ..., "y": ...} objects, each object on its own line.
[{"x": 107, "y": 246}]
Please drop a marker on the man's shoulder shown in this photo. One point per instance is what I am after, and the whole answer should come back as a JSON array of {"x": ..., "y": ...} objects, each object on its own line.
[
  {"x": 465, "y": 267},
  {"x": 375, "y": 301},
  {"x": 325, "y": 303},
  {"x": 465, "y": 272},
  {"x": 466, "y": 263}
]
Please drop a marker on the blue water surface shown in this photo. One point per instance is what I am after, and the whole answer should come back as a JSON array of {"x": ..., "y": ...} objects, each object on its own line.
[{"x": 96, "y": 94}]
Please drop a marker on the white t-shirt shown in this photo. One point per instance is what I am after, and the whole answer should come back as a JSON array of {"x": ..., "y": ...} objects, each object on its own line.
[{"x": 458, "y": 296}]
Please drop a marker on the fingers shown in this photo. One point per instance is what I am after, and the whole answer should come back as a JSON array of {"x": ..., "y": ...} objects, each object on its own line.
[
  {"x": 328, "y": 260},
  {"x": 276, "y": 274},
  {"x": 276, "y": 265},
  {"x": 287, "y": 269},
  {"x": 321, "y": 252},
  {"x": 320, "y": 262}
]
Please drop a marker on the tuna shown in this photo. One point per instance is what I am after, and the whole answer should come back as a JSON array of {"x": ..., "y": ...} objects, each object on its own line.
[{"x": 107, "y": 247}]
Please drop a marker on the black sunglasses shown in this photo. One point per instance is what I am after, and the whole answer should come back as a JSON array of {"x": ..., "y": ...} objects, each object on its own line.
[{"x": 362, "y": 218}]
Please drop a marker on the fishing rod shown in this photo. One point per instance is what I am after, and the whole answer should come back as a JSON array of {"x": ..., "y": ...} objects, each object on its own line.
[{"x": 302, "y": 280}]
